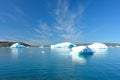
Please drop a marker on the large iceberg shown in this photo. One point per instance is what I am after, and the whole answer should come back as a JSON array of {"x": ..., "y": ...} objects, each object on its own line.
[
  {"x": 17, "y": 45},
  {"x": 63, "y": 45},
  {"x": 98, "y": 46},
  {"x": 82, "y": 50}
]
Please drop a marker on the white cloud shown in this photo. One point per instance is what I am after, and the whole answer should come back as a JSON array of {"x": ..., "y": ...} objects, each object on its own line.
[
  {"x": 37, "y": 30},
  {"x": 66, "y": 21},
  {"x": 65, "y": 27},
  {"x": 43, "y": 31},
  {"x": 43, "y": 34},
  {"x": 8, "y": 15},
  {"x": 18, "y": 10},
  {"x": 39, "y": 42},
  {"x": 14, "y": 14}
]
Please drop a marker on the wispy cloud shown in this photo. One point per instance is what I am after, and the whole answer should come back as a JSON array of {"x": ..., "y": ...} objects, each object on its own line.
[
  {"x": 18, "y": 10},
  {"x": 14, "y": 13},
  {"x": 43, "y": 31},
  {"x": 20, "y": 14},
  {"x": 66, "y": 21},
  {"x": 65, "y": 27},
  {"x": 9, "y": 19},
  {"x": 8, "y": 15},
  {"x": 41, "y": 34}
]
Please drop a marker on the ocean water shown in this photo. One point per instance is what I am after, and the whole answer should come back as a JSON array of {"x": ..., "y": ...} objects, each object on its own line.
[{"x": 47, "y": 64}]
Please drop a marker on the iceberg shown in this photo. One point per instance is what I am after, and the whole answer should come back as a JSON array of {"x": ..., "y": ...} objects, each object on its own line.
[
  {"x": 17, "y": 45},
  {"x": 41, "y": 46},
  {"x": 117, "y": 46},
  {"x": 98, "y": 46},
  {"x": 82, "y": 50},
  {"x": 63, "y": 45}
]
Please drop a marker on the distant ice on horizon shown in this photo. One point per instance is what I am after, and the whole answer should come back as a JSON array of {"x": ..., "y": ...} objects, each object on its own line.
[{"x": 63, "y": 45}]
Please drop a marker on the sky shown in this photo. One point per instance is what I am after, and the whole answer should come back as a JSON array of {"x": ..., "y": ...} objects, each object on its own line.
[{"x": 42, "y": 22}]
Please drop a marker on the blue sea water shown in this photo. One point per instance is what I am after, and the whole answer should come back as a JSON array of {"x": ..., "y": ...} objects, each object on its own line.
[{"x": 47, "y": 64}]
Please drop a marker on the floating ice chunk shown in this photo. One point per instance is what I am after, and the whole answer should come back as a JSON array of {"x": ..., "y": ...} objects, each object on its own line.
[
  {"x": 98, "y": 46},
  {"x": 63, "y": 45},
  {"x": 82, "y": 50},
  {"x": 117, "y": 46},
  {"x": 17, "y": 45},
  {"x": 42, "y": 51},
  {"x": 41, "y": 46}
]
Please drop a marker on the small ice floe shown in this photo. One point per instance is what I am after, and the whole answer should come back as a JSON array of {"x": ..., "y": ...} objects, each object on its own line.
[
  {"x": 42, "y": 51},
  {"x": 63, "y": 45},
  {"x": 81, "y": 50},
  {"x": 98, "y": 46},
  {"x": 17, "y": 45},
  {"x": 117, "y": 46},
  {"x": 41, "y": 46}
]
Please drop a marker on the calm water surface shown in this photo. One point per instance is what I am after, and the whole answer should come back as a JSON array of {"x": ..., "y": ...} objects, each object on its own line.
[{"x": 47, "y": 64}]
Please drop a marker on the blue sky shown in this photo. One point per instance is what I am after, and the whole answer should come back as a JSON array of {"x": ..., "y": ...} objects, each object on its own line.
[{"x": 53, "y": 21}]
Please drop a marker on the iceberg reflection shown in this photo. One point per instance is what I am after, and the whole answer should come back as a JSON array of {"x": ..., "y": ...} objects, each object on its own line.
[
  {"x": 15, "y": 52},
  {"x": 78, "y": 59},
  {"x": 60, "y": 50},
  {"x": 100, "y": 52}
]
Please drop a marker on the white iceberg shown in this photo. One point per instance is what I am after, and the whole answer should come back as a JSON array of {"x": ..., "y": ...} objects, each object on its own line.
[
  {"x": 41, "y": 46},
  {"x": 117, "y": 46},
  {"x": 17, "y": 45},
  {"x": 63, "y": 45},
  {"x": 82, "y": 50},
  {"x": 98, "y": 46}
]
